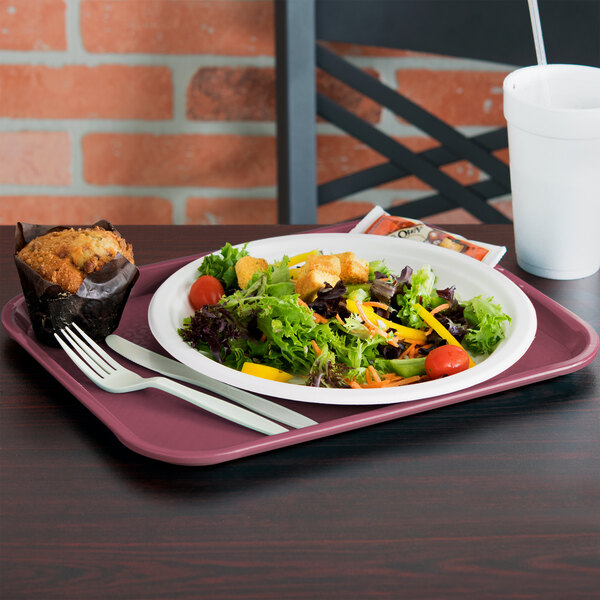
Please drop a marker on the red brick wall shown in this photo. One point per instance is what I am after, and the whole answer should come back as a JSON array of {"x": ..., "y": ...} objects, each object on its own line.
[{"x": 163, "y": 111}]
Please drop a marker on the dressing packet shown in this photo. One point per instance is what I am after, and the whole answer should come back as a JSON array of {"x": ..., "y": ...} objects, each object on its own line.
[{"x": 379, "y": 222}]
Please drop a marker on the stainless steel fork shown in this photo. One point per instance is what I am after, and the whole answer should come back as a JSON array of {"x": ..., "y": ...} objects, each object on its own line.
[{"x": 109, "y": 375}]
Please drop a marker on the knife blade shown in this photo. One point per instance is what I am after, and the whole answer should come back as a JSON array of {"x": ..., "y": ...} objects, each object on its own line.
[{"x": 171, "y": 368}]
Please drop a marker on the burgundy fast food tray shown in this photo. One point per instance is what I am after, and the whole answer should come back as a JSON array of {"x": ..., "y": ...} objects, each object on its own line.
[{"x": 166, "y": 428}]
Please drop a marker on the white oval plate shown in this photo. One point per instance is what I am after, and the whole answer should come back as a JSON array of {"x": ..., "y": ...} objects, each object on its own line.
[{"x": 170, "y": 305}]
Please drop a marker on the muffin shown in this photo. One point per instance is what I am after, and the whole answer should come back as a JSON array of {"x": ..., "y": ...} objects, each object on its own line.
[{"x": 82, "y": 275}]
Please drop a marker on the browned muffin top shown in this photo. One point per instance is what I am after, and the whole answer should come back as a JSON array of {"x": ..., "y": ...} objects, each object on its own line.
[{"x": 66, "y": 257}]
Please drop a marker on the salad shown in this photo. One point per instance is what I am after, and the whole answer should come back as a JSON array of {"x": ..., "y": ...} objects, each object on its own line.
[{"x": 335, "y": 320}]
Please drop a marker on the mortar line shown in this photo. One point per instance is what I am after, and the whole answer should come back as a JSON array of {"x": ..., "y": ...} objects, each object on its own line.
[
  {"x": 127, "y": 126},
  {"x": 62, "y": 58},
  {"x": 58, "y": 58},
  {"x": 89, "y": 189}
]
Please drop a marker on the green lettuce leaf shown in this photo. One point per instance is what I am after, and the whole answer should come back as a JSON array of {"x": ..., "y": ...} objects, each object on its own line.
[
  {"x": 422, "y": 291},
  {"x": 222, "y": 265},
  {"x": 326, "y": 372},
  {"x": 378, "y": 265},
  {"x": 289, "y": 330},
  {"x": 488, "y": 321}
]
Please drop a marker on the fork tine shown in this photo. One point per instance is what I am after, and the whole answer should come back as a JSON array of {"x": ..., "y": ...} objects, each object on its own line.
[
  {"x": 110, "y": 361},
  {"x": 88, "y": 369},
  {"x": 86, "y": 352}
]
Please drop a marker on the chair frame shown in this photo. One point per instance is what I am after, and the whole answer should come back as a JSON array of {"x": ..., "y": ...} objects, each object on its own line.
[{"x": 300, "y": 24}]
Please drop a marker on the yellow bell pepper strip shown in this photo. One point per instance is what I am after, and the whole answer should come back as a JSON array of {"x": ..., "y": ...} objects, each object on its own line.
[
  {"x": 406, "y": 333},
  {"x": 296, "y": 260},
  {"x": 439, "y": 329},
  {"x": 265, "y": 372}
]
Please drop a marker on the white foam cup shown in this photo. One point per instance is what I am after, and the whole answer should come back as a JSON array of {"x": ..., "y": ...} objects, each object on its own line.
[{"x": 553, "y": 118}]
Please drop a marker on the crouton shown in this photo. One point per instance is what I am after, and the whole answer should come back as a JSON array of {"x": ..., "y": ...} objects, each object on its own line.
[
  {"x": 309, "y": 283},
  {"x": 353, "y": 270},
  {"x": 246, "y": 267},
  {"x": 327, "y": 263}
]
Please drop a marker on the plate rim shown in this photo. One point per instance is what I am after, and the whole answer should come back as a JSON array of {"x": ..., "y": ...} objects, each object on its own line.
[{"x": 366, "y": 397}]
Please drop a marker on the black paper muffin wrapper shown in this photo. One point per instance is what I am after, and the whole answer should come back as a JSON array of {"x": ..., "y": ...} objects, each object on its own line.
[{"x": 96, "y": 307}]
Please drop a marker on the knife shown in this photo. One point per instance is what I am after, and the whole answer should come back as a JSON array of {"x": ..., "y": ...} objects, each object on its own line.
[{"x": 171, "y": 368}]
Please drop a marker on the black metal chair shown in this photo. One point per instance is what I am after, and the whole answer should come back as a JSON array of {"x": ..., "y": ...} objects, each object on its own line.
[{"x": 491, "y": 30}]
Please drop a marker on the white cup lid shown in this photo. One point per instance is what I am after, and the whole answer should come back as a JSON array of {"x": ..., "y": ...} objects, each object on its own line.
[{"x": 559, "y": 101}]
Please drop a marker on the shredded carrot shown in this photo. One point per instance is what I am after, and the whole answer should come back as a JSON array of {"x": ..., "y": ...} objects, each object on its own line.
[
  {"x": 439, "y": 308},
  {"x": 394, "y": 341},
  {"x": 371, "y": 384},
  {"x": 408, "y": 350},
  {"x": 375, "y": 374},
  {"x": 263, "y": 337},
  {"x": 368, "y": 323},
  {"x": 392, "y": 376},
  {"x": 316, "y": 347},
  {"x": 363, "y": 316},
  {"x": 408, "y": 380},
  {"x": 337, "y": 316},
  {"x": 409, "y": 341},
  {"x": 316, "y": 317},
  {"x": 397, "y": 380},
  {"x": 390, "y": 380},
  {"x": 376, "y": 305}
]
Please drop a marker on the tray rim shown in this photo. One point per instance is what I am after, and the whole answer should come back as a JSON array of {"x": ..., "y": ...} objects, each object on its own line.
[{"x": 377, "y": 414}]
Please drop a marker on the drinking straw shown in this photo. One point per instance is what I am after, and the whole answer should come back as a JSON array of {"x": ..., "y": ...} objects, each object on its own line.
[{"x": 536, "y": 26}]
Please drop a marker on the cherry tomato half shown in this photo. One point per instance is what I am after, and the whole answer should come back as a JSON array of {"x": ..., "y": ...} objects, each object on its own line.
[
  {"x": 205, "y": 290},
  {"x": 446, "y": 360}
]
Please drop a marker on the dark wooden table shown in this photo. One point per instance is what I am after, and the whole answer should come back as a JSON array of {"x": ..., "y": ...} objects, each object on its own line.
[{"x": 493, "y": 498}]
